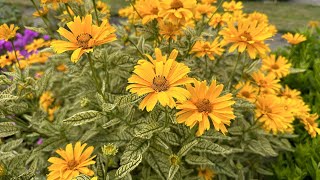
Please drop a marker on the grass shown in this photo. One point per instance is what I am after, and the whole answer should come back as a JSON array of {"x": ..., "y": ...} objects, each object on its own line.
[{"x": 286, "y": 16}]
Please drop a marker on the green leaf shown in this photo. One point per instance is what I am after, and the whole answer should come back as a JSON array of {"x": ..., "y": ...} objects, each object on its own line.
[
  {"x": 210, "y": 147},
  {"x": 36, "y": 29},
  {"x": 83, "y": 118},
  {"x": 170, "y": 138},
  {"x": 8, "y": 129},
  {"x": 100, "y": 167},
  {"x": 172, "y": 171},
  {"x": 9, "y": 90},
  {"x": 146, "y": 130},
  {"x": 186, "y": 148},
  {"x": 89, "y": 134},
  {"x": 262, "y": 146},
  {"x": 123, "y": 101},
  {"x": 7, "y": 97},
  {"x": 11, "y": 145},
  {"x": 4, "y": 80},
  {"x": 135, "y": 148},
  {"x": 198, "y": 160},
  {"x": 42, "y": 83},
  {"x": 82, "y": 177},
  {"x": 129, "y": 166},
  {"x": 107, "y": 107},
  {"x": 110, "y": 123},
  {"x": 264, "y": 171},
  {"x": 296, "y": 70}
]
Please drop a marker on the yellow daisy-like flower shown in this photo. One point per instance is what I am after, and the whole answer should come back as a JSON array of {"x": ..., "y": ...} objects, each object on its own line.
[
  {"x": 36, "y": 45},
  {"x": 202, "y": 48},
  {"x": 204, "y": 103},
  {"x": 129, "y": 13},
  {"x": 177, "y": 11},
  {"x": 280, "y": 66},
  {"x": 232, "y": 6},
  {"x": 216, "y": 20},
  {"x": 73, "y": 161},
  {"x": 314, "y": 24},
  {"x": 46, "y": 100},
  {"x": 248, "y": 35},
  {"x": 290, "y": 93},
  {"x": 42, "y": 12},
  {"x": 294, "y": 39},
  {"x": 159, "y": 80},
  {"x": 204, "y": 9},
  {"x": 9, "y": 58},
  {"x": 208, "y": 1},
  {"x": 84, "y": 36},
  {"x": 271, "y": 112},
  {"x": 267, "y": 83},
  {"x": 247, "y": 91},
  {"x": 169, "y": 31},
  {"x": 7, "y": 32},
  {"x": 310, "y": 124},
  {"x": 103, "y": 8},
  {"x": 260, "y": 17},
  {"x": 205, "y": 173},
  {"x": 148, "y": 10}
]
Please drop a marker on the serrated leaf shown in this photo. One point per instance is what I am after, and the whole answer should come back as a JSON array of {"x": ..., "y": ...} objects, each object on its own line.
[
  {"x": 36, "y": 29},
  {"x": 8, "y": 129},
  {"x": 107, "y": 107},
  {"x": 9, "y": 90},
  {"x": 186, "y": 148},
  {"x": 82, "y": 118},
  {"x": 89, "y": 134},
  {"x": 4, "y": 80},
  {"x": 172, "y": 171},
  {"x": 126, "y": 100},
  {"x": 100, "y": 167},
  {"x": 210, "y": 147},
  {"x": 170, "y": 138},
  {"x": 198, "y": 160},
  {"x": 82, "y": 177},
  {"x": 110, "y": 123},
  {"x": 136, "y": 147},
  {"x": 7, "y": 97},
  {"x": 146, "y": 129},
  {"x": 262, "y": 146},
  {"x": 129, "y": 166},
  {"x": 11, "y": 145}
]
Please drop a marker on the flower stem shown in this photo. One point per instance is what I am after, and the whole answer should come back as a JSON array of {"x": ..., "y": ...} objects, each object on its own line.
[
  {"x": 94, "y": 75},
  {"x": 233, "y": 72},
  {"x": 15, "y": 54},
  {"x": 96, "y": 12},
  {"x": 136, "y": 48},
  {"x": 43, "y": 19}
]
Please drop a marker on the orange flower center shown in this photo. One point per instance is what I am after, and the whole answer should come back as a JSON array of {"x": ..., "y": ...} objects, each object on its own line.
[
  {"x": 245, "y": 36},
  {"x": 83, "y": 40},
  {"x": 72, "y": 164},
  {"x": 206, "y": 47},
  {"x": 176, "y": 4},
  {"x": 275, "y": 66},
  {"x": 154, "y": 10},
  {"x": 263, "y": 83},
  {"x": 268, "y": 110},
  {"x": 245, "y": 94},
  {"x": 160, "y": 83},
  {"x": 204, "y": 105}
]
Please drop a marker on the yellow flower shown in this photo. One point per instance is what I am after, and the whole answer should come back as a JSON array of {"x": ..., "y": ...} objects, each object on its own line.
[
  {"x": 62, "y": 68},
  {"x": 159, "y": 79},
  {"x": 177, "y": 11},
  {"x": 208, "y": 1},
  {"x": 109, "y": 149},
  {"x": 248, "y": 35},
  {"x": 9, "y": 58},
  {"x": 313, "y": 24},
  {"x": 247, "y": 91},
  {"x": 267, "y": 83},
  {"x": 294, "y": 39},
  {"x": 148, "y": 10},
  {"x": 280, "y": 67},
  {"x": 7, "y": 32},
  {"x": 103, "y": 8},
  {"x": 290, "y": 93},
  {"x": 42, "y": 12},
  {"x": 130, "y": 13},
  {"x": 271, "y": 112},
  {"x": 205, "y": 173},
  {"x": 260, "y": 17},
  {"x": 46, "y": 100},
  {"x": 204, "y": 9},
  {"x": 51, "y": 112},
  {"x": 202, "y": 48},
  {"x": 169, "y": 30},
  {"x": 204, "y": 103},
  {"x": 232, "y": 6},
  {"x": 36, "y": 45},
  {"x": 55, "y": 3},
  {"x": 310, "y": 124},
  {"x": 84, "y": 36},
  {"x": 216, "y": 20},
  {"x": 73, "y": 162}
]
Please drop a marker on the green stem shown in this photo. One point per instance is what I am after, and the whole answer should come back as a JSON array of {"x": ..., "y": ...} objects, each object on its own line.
[
  {"x": 96, "y": 12},
  {"x": 43, "y": 19},
  {"x": 15, "y": 54},
  {"x": 142, "y": 55},
  {"x": 134, "y": 8},
  {"x": 169, "y": 44},
  {"x": 233, "y": 72},
  {"x": 94, "y": 75}
]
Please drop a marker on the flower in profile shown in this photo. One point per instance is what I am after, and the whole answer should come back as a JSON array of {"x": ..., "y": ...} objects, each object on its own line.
[
  {"x": 247, "y": 91},
  {"x": 280, "y": 66},
  {"x": 109, "y": 149},
  {"x": 169, "y": 30},
  {"x": 294, "y": 39},
  {"x": 46, "y": 100},
  {"x": 310, "y": 124},
  {"x": 268, "y": 83},
  {"x": 202, "y": 48},
  {"x": 103, "y": 8},
  {"x": 314, "y": 24},
  {"x": 206, "y": 102},
  {"x": 159, "y": 80},
  {"x": 247, "y": 35},
  {"x": 84, "y": 36},
  {"x": 148, "y": 10},
  {"x": 73, "y": 161},
  {"x": 7, "y": 32},
  {"x": 232, "y": 6},
  {"x": 42, "y": 12},
  {"x": 177, "y": 11},
  {"x": 271, "y": 112},
  {"x": 205, "y": 173},
  {"x": 36, "y": 45}
]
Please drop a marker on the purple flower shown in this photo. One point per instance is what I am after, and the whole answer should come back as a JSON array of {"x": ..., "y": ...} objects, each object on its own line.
[
  {"x": 46, "y": 37},
  {"x": 40, "y": 141}
]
